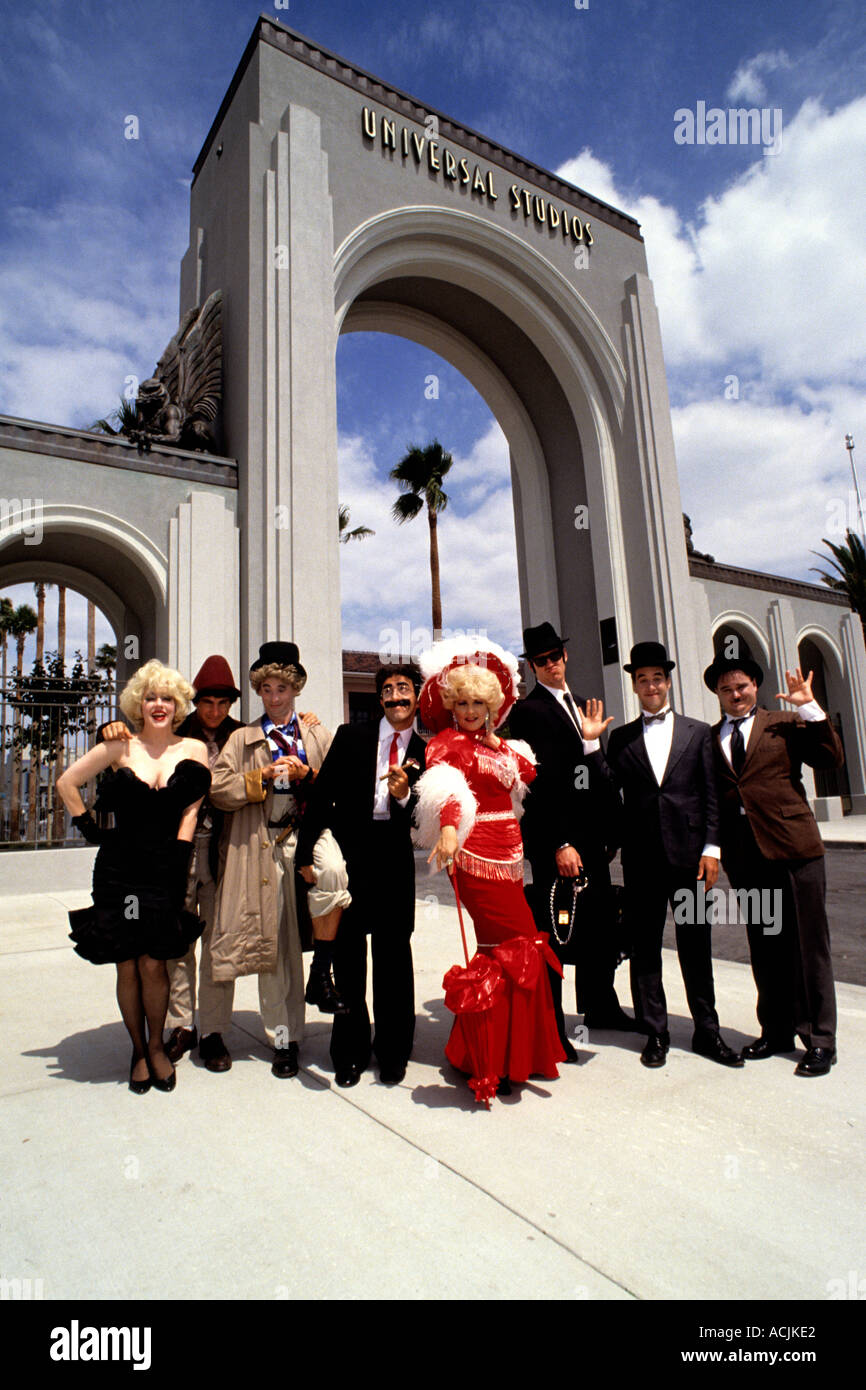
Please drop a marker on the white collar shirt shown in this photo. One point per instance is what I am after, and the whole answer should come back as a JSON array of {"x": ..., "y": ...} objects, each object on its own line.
[
  {"x": 381, "y": 798},
  {"x": 657, "y": 739},
  {"x": 590, "y": 745}
]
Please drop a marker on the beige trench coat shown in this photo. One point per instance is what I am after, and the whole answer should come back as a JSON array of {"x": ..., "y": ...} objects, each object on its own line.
[{"x": 244, "y": 940}]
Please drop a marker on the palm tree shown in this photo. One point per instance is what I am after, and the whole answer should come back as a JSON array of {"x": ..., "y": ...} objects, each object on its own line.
[
  {"x": 91, "y": 637},
  {"x": 23, "y": 622},
  {"x": 849, "y": 562},
  {"x": 7, "y": 611},
  {"x": 359, "y": 533},
  {"x": 40, "y": 621},
  {"x": 123, "y": 420},
  {"x": 420, "y": 474}
]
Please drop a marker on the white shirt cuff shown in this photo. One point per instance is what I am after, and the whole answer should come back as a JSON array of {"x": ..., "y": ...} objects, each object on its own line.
[
  {"x": 812, "y": 712},
  {"x": 591, "y": 745},
  {"x": 711, "y": 852}
]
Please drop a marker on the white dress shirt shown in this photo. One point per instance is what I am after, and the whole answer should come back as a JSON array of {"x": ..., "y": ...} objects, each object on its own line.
[
  {"x": 590, "y": 745},
  {"x": 812, "y": 713},
  {"x": 381, "y": 798}
]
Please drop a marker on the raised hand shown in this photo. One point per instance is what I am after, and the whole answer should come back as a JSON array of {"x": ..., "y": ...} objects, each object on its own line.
[
  {"x": 799, "y": 688},
  {"x": 593, "y": 722}
]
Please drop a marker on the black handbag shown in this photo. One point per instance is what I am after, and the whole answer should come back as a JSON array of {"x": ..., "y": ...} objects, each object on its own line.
[{"x": 564, "y": 897}]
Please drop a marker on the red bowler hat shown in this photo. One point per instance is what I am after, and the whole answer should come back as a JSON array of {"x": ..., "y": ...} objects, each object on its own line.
[
  {"x": 215, "y": 678},
  {"x": 464, "y": 651}
]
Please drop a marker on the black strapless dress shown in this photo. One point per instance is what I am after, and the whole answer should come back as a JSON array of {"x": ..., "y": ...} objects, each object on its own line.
[{"x": 132, "y": 913}]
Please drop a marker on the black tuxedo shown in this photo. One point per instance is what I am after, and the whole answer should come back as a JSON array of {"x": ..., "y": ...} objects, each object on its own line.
[
  {"x": 381, "y": 865},
  {"x": 665, "y": 829},
  {"x": 573, "y": 800}
]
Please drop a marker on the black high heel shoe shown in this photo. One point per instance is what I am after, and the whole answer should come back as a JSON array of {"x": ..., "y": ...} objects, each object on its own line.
[
  {"x": 166, "y": 1083},
  {"x": 139, "y": 1088}
]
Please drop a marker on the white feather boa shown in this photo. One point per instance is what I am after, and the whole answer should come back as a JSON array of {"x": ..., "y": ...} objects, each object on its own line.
[
  {"x": 436, "y": 786},
  {"x": 520, "y": 788}
]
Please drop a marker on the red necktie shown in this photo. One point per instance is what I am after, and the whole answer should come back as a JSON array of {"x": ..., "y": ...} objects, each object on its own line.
[{"x": 394, "y": 751}]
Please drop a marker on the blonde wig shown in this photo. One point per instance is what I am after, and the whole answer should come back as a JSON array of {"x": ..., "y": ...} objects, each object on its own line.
[
  {"x": 472, "y": 683},
  {"x": 155, "y": 678},
  {"x": 275, "y": 672}
]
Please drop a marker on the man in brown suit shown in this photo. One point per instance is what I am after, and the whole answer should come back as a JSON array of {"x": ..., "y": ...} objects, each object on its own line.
[{"x": 771, "y": 843}]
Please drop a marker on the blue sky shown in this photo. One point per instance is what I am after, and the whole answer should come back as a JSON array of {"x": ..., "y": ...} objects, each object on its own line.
[{"x": 757, "y": 258}]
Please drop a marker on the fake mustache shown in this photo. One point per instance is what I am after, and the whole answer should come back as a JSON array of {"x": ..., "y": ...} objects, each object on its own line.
[{"x": 397, "y": 704}]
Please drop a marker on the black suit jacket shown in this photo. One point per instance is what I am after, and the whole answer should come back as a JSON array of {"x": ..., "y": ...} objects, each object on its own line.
[
  {"x": 559, "y": 808},
  {"x": 683, "y": 812},
  {"x": 341, "y": 799}
]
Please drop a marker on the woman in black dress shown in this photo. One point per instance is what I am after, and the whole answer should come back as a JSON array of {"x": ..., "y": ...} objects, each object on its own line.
[{"x": 154, "y": 785}]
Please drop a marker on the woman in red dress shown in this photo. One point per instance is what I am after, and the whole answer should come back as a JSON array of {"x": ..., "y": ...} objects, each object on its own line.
[{"x": 471, "y": 796}]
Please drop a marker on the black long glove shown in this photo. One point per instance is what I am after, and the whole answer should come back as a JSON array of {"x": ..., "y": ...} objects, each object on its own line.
[
  {"x": 179, "y": 862},
  {"x": 93, "y": 833}
]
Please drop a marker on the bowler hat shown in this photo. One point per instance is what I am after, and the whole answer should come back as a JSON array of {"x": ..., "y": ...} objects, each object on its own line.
[
  {"x": 279, "y": 654},
  {"x": 215, "y": 678},
  {"x": 721, "y": 664},
  {"x": 648, "y": 654},
  {"x": 541, "y": 639}
]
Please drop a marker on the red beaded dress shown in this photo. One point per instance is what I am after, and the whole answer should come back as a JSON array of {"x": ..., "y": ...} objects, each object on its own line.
[{"x": 476, "y": 789}]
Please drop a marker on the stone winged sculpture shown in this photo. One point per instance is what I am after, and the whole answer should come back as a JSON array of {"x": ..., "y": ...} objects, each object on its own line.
[{"x": 180, "y": 403}]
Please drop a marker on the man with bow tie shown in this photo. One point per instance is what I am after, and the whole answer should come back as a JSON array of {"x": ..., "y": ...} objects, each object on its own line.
[
  {"x": 663, "y": 763},
  {"x": 263, "y": 776},
  {"x": 771, "y": 842}
]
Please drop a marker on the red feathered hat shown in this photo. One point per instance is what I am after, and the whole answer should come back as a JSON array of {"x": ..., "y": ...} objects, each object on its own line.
[{"x": 464, "y": 651}]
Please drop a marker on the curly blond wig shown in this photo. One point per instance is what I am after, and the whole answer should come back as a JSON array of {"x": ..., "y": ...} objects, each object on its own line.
[
  {"x": 472, "y": 683},
  {"x": 274, "y": 672},
  {"x": 160, "y": 680}
]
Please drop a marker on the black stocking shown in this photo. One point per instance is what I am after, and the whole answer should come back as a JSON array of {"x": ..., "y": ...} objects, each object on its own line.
[
  {"x": 154, "y": 994},
  {"x": 132, "y": 1013}
]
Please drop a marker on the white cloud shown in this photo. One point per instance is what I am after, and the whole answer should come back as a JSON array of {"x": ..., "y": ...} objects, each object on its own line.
[
  {"x": 747, "y": 83},
  {"x": 764, "y": 292}
]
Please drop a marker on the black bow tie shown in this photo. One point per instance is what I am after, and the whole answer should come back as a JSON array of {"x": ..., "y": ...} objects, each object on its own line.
[{"x": 656, "y": 718}]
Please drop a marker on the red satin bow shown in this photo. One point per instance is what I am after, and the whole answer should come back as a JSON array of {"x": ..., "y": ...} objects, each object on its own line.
[
  {"x": 473, "y": 987},
  {"x": 522, "y": 958}
]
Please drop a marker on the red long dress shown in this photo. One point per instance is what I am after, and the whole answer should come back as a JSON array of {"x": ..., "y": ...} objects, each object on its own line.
[{"x": 489, "y": 868}]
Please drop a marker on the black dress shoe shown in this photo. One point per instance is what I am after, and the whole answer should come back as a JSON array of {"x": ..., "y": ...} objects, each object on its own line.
[
  {"x": 139, "y": 1088},
  {"x": 180, "y": 1040},
  {"x": 766, "y": 1047},
  {"x": 285, "y": 1061},
  {"x": 504, "y": 1087},
  {"x": 617, "y": 1022},
  {"x": 713, "y": 1045},
  {"x": 391, "y": 1076},
  {"x": 322, "y": 992},
  {"x": 348, "y": 1076},
  {"x": 570, "y": 1051},
  {"x": 817, "y": 1061},
  {"x": 656, "y": 1050},
  {"x": 214, "y": 1053}
]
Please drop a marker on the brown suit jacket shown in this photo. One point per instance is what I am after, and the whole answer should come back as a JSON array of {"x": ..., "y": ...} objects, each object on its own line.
[{"x": 770, "y": 786}]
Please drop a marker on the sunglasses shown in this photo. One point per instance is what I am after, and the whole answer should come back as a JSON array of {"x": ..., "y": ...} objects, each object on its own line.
[{"x": 548, "y": 658}]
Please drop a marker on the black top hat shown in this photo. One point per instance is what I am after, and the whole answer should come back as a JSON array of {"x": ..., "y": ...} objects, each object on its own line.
[
  {"x": 541, "y": 639},
  {"x": 721, "y": 664},
  {"x": 279, "y": 654},
  {"x": 648, "y": 654}
]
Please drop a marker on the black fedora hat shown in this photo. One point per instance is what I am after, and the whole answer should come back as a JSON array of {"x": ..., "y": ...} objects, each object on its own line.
[
  {"x": 541, "y": 639},
  {"x": 648, "y": 654},
  {"x": 279, "y": 654},
  {"x": 721, "y": 664}
]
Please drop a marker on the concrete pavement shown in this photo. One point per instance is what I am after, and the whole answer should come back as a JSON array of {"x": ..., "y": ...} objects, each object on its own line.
[{"x": 611, "y": 1183}]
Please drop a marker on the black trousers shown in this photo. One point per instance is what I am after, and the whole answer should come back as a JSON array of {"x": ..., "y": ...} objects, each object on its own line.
[
  {"x": 791, "y": 962},
  {"x": 591, "y": 950},
  {"x": 382, "y": 885},
  {"x": 649, "y": 887}
]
